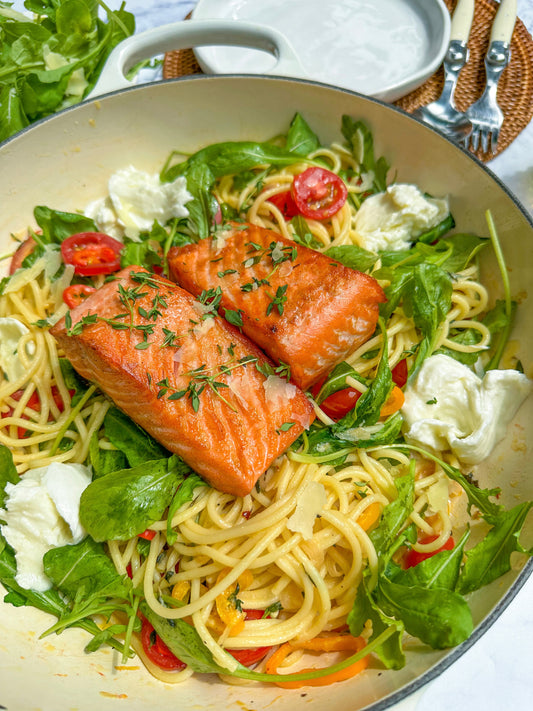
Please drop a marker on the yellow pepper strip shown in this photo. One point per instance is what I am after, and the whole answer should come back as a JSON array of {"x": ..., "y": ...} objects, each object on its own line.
[
  {"x": 394, "y": 402},
  {"x": 369, "y": 516},
  {"x": 180, "y": 590},
  {"x": 319, "y": 644},
  {"x": 226, "y": 603}
]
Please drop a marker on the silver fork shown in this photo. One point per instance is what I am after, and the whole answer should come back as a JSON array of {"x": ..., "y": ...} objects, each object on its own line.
[{"x": 485, "y": 115}]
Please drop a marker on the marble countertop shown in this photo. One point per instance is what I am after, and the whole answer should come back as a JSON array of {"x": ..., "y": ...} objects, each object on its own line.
[{"x": 495, "y": 673}]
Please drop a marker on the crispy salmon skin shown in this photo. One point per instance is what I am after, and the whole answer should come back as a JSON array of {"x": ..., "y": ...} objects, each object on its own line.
[
  {"x": 185, "y": 375},
  {"x": 301, "y": 307}
]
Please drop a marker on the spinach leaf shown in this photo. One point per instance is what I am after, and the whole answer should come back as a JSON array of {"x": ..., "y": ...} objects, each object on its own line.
[
  {"x": 56, "y": 226},
  {"x": 353, "y": 256},
  {"x": 183, "y": 495},
  {"x": 491, "y": 557},
  {"x": 104, "y": 461},
  {"x": 123, "y": 504},
  {"x": 184, "y": 641},
  {"x": 435, "y": 233},
  {"x": 132, "y": 440},
  {"x": 361, "y": 142},
  {"x": 8, "y": 472},
  {"x": 85, "y": 572},
  {"x": 301, "y": 140}
]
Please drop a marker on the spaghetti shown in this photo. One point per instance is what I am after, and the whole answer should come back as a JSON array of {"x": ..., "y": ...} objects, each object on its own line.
[{"x": 298, "y": 546}]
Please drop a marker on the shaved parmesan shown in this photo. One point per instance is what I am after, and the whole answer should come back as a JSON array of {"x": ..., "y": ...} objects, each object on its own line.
[
  {"x": 278, "y": 391},
  {"x": 311, "y": 502}
]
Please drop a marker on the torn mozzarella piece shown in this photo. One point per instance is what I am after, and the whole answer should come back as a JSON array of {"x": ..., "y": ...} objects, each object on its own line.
[
  {"x": 449, "y": 407},
  {"x": 392, "y": 220},
  {"x": 41, "y": 513}
]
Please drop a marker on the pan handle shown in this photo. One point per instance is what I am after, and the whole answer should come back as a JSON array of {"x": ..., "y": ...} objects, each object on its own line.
[{"x": 195, "y": 33}]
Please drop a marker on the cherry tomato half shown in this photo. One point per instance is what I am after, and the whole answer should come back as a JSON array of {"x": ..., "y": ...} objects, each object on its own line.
[
  {"x": 415, "y": 557},
  {"x": 148, "y": 534},
  {"x": 340, "y": 403},
  {"x": 247, "y": 657},
  {"x": 157, "y": 651},
  {"x": 399, "y": 373},
  {"x": 24, "y": 249},
  {"x": 318, "y": 193},
  {"x": 92, "y": 253},
  {"x": 285, "y": 204},
  {"x": 75, "y": 294}
]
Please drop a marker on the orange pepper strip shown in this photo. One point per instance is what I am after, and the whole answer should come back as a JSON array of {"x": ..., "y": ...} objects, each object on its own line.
[
  {"x": 225, "y": 602},
  {"x": 319, "y": 644},
  {"x": 369, "y": 516},
  {"x": 394, "y": 402}
]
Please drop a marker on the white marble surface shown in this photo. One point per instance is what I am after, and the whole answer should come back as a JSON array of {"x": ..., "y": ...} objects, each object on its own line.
[{"x": 495, "y": 673}]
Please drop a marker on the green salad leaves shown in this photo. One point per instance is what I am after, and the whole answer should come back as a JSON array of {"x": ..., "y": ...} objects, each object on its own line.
[{"x": 52, "y": 57}]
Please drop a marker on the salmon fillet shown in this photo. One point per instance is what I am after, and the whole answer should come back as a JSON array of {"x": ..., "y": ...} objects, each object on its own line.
[
  {"x": 301, "y": 307},
  {"x": 186, "y": 376}
]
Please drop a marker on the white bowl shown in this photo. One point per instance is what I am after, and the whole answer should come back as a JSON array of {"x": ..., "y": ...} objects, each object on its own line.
[{"x": 381, "y": 48}]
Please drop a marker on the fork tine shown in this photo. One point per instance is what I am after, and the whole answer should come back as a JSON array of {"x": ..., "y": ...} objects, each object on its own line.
[
  {"x": 485, "y": 139},
  {"x": 474, "y": 139},
  {"x": 494, "y": 139}
]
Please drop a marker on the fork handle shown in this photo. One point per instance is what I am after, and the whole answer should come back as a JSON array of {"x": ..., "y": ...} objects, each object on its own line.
[
  {"x": 503, "y": 25},
  {"x": 462, "y": 20}
]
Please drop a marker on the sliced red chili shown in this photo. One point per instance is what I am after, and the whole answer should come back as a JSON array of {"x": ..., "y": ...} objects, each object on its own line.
[
  {"x": 75, "y": 294},
  {"x": 415, "y": 557},
  {"x": 157, "y": 651},
  {"x": 318, "y": 193},
  {"x": 285, "y": 203},
  {"x": 148, "y": 534},
  {"x": 23, "y": 251},
  {"x": 92, "y": 253}
]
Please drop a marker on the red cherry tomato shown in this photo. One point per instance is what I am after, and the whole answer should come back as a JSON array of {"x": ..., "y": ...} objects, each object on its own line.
[
  {"x": 92, "y": 253},
  {"x": 415, "y": 557},
  {"x": 34, "y": 403},
  {"x": 399, "y": 373},
  {"x": 75, "y": 294},
  {"x": 247, "y": 657},
  {"x": 24, "y": 250},
  {"x": 318, "y": 193},
  {"x": 340, "y": 403},
  {"x": 285, "y": 204},
  {"x": 157, "y": 651}
]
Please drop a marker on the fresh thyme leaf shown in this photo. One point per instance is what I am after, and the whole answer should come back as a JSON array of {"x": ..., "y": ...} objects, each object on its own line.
[{"x": 278, "y": 301}]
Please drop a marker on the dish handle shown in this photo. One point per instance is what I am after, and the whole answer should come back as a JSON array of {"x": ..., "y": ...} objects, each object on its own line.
[{"x": 195, "y": 33}]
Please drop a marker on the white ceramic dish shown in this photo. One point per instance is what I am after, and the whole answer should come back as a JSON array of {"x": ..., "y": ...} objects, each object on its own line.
[
  {"x": 381, "y": 48},
  {"x": 64, "y": 162}
]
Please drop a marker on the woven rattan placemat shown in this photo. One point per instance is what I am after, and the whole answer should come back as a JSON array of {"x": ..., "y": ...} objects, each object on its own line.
[{"x": 515, "y": 90}]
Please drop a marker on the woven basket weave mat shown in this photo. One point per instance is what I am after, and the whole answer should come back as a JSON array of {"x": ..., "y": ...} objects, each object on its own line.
[{"x": 515, "y": 89}]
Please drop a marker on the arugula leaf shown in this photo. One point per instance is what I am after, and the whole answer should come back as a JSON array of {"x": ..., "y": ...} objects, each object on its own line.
[
  {"x": 451, "y": 253},
  {"x": 491, "y": 557},
  {"x": 8, "y": 472},
  {"x": 132, "y": 440},
  {"x": 361, "y": 142},
  {"x": 302, "y": 234},
  {"x": 337, "y": 380},
  {"x": 123, "y": 504},
  {"x": 439, "y": 617},
  {"x": 395, "y": 514},
  {"x": 73, "y": 381},
  {"x": 435, "y": 233},
  {"x": 184, "y": 641},
  {"x": 364, "y": 608}
]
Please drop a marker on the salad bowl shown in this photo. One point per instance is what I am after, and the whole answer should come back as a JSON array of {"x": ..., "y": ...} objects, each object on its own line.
[{"x": 65, "y": 161}]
